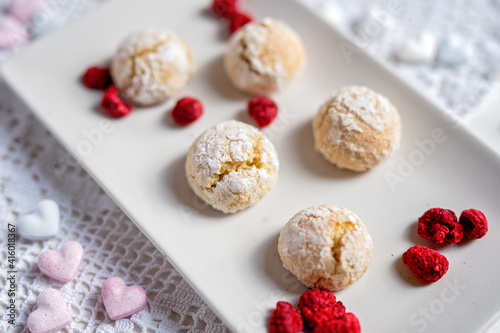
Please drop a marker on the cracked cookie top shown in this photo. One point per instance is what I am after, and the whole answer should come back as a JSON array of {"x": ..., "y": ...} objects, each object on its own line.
[
  {"x": 356, "y": 128},
  {"x": 326, "y": 247},
  {"x": 263, "y": 57},
  {"x": 231, "y": 166},
  {"x": 151, "y": 66}
]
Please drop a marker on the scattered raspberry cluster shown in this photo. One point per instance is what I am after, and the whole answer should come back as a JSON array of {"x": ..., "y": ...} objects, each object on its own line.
[
  {"x": 230, "y": 10},
  {"x": 321, "y": 312},
  {"x": 441, "y": 226},
  {"x": 99, "y": 78},
  {"x": 261, "y": 109},
  {"x": 186, "y": 111}
]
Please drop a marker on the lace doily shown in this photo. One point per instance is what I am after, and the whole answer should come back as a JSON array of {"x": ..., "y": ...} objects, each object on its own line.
[{"x": 33, "y": 166}]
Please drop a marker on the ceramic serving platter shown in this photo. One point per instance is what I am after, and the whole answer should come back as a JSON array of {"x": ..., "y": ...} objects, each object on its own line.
[{"x": 232, "y": 260}]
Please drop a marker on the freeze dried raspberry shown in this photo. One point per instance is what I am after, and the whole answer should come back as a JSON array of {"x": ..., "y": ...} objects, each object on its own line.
[
  {"x": 440, "y": 226},
  {"x": 98, "y": 78},
  {"x": 187, "y": 110},
  {"x": 286, "y": 319},
  {"x": 318, "y": 306},
  {"x": 474, "y": 223},
  {"x": 263, "y": 110},
  {"x": 427, "y": 265},
  {"x": 237, "y": 20},
  {"x": 225, "y": 8},
  {"x": 349, "y": 323},
  {"x": 114, "y": 105}
]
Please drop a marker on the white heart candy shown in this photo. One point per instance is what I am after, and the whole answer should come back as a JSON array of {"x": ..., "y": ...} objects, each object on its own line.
[
  {"x": 43, "y": 223},
  {"x": 375, "y": 23},
  {"x": 49, "y": 26},
  {"x": 332, "y": 12},
  {"x": 421, "y": 50},
  {"x": 454, "y": 50}
]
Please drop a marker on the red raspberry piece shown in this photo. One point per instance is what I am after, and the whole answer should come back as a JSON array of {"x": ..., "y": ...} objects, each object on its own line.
[
  {"x": 187, "y": 110},
  {"x": 98, "y": 78},
  {"x": 286, "y": 319},
  {"x": 474, "y": 223},
  {"x": 440, "y": 226},
  {"x": 263, "y": 110},
  {"x": 349, "y": 323},
  {"x": 225, "y": 8},
  {"x": 114, "y": 105},
  {"x": 427, "y": 265},
  {"x": 237, "y": 20},
  {"x": 319, "y": 306}
]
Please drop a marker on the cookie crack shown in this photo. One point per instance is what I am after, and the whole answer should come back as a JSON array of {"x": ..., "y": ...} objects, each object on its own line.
[
  {"x": 255, "y": 160},
  {"x": 141, "y": 53},
  {"x": 336, "y": 236}
]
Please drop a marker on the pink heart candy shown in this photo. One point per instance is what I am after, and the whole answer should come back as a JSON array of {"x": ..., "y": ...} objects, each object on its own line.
[
  {"x": 62, "y": 264},
  {"x": 52, "y": 313},
  {"x": 121, "y": 301},
  {"x": 25, "y": 10},
  {"x": 12, "y": 32}
]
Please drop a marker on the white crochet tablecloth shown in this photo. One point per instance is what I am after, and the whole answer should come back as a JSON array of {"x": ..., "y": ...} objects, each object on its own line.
[{"x": 33, "y": 166}]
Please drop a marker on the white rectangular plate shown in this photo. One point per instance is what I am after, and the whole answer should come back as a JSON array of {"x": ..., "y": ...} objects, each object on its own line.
[{"x": 232, "y": 260}]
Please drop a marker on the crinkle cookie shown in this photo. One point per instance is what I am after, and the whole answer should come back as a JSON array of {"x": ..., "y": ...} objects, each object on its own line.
[
  {"x": 326, "y": 247},
  {"x": 263, "y": 57},
  {"x": 356, "y": 128},
  {"x": 151, "y": 66},
  {"x": 231, "y": 166}
]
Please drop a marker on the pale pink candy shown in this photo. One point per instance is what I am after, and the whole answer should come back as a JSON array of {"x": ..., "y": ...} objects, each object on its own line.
[
  {"x": 52, "y": 313},
  {"x": 12, "y": 32},
  {"x": 121, "y": 301},
  {"x": 62, "y": 264},
  {"x": 25, "y": 10}
]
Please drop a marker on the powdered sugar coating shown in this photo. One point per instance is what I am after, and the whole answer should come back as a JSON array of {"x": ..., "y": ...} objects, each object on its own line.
[
  {"x": 151, "y": 66},
  {"x": 231, "y": 166},
  {"x": 326, "y": 247},
  {"x": 264, "y": 56},
  {"x": 356, "y": 128}
]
